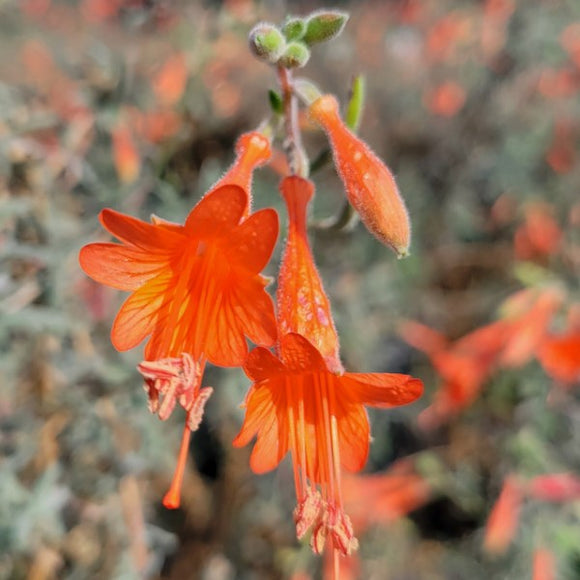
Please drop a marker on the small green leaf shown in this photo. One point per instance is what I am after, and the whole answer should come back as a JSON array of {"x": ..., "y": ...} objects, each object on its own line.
[
  {"x": 276, "y": 102},
  {"x": 324, "y": 25},
  {"x": 294, "y": 28},
  {"x": 267, "y": 42},
  {"x": 356, "y": 103},
  {"x": 296, "y": 55}
]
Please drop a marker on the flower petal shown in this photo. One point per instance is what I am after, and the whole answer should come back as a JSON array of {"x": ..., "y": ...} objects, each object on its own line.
[
  {"x": 261, "y": 419},
  {"x": 254, "y": 309},
  {"x": 267, "y": 452},
  {"x": 261, "y": 364},
  {"x": 137, "y": 316},
  {"x": 299, "y": 355},
  {"x": 121, "y": 267},
  {"x": 381, "y": 389},
  {"x": 220, "y": 209},
  {"x": 252, "y": 242},
  {"x": 225, "y": 343},
  {"x": 353, "y": 435},
  {"x": 138, "y": 233},
  {"x": 302, "y": 304}
]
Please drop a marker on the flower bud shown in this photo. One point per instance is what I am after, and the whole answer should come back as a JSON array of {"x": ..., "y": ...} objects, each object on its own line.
[
  {"x": 324, "y": 25},
  {"x": 267, "y": 42},
  {"x": 294, "y": 28},
  {"x": 370, "y": 186},
  {"x": 296, "y": 55}
]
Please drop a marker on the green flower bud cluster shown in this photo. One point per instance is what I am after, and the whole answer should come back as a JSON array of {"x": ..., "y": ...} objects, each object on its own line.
[{"x": 290, "y": 46}]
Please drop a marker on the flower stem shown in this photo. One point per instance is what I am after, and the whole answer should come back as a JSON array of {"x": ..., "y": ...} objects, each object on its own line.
[{"x": 297, "y": 159}]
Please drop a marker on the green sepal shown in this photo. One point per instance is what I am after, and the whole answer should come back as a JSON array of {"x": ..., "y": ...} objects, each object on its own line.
[
  {"x": 324, "y": 25},
  {"x": 355, "y": 106}
]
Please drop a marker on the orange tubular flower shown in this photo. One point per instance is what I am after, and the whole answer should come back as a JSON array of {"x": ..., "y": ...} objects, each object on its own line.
[
  {"x": 125, "y": 154},
  {"x": 544, "y": 565},
  {"x": 370, "y": 186},
  {"x": 504, "y": 518},
  {"x": 303, "y": 402},
  {"x": 252, "y": 151},
  {"x": 196, "y": 292},
  {"x": 464, "y": 365},
  {"x": 560, "y": 356}
]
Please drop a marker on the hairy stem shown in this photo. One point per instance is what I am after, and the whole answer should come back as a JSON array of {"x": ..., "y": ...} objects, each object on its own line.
[{"x": 293, "y": 148}]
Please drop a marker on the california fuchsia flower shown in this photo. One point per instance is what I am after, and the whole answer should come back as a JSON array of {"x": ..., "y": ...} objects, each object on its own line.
[
  {"x": 303, "y": 306},
  {"x": 302, "y": 401},
  {"x": 195, "y": 288},
  {"x": 252, "y": 151},
  {"x": 560, "y": 356},
  {"x": 370, "y": 186},
  {"x": 197, "y": 293},
  {"x": 544, "y": 565},
  {"x": 503, "y": 520}
]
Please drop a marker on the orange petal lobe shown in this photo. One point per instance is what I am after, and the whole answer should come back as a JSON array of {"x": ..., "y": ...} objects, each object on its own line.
[
  {"x": 422, "y": 337},
  {"x": 383, "y": 389},
  {"x": 118, "y": 266},
  {"x": 225, "y": 343},
  {"x": 137, "y": 316},
  {"x": 252, "y": 242},
  {"x": 299, "y": 355},
  {"x": 254, "y": 309},
  {"x": 354, "y": 435},
  {"x": 138, "y": 233},
  {"x": 261, "y": 419},
  {"x": 220, "y": 208},
  {"x": 261, "y": 364}
]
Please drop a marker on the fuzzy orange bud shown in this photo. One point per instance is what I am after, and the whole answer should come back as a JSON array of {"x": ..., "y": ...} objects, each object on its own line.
[{"x": 370, "y": 186}]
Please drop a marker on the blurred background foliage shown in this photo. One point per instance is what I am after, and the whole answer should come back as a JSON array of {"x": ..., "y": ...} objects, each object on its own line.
[{"x": 135, "y": 105}]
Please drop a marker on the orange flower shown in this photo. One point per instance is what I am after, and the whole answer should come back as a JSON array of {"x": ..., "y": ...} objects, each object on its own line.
[
  {"x": 252, "y": 151},
  {"x": 539, "y": 236},
  {"x": 529, "y": 313},
  {"x": 196, "y": 292},
  {"x": 303, "y": 306},
  {"x": 302, "y": 401},
  {"x": 169, "y": 83},
  {"x": 503, "y": 519},
  {"x": 464, "y": 365},
  {"x": 555, "y": 487},
  {"x": 560, "y": 356},
  {"x": 382, "y": 498},
  {"x": 544, "y": 565},
  {"x": 125, "y": 154},
  {"x": 445, "y": 99},
  {"x": 370, "y": 186}
]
